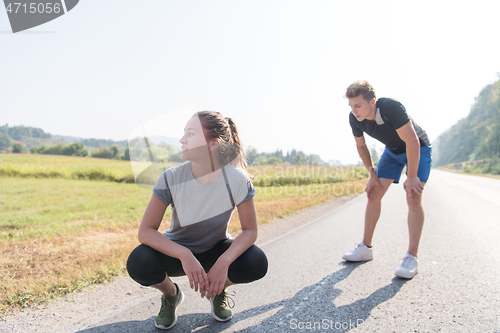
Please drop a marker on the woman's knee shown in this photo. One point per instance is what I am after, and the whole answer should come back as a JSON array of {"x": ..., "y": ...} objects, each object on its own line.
[
  {"x": 140, "y": 263},
  {"x": 252, "y": 265},
  {"x": 259, "y": 266}
]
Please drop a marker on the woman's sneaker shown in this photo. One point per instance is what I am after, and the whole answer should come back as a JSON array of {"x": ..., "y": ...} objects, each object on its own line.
[
  {"x": 360, "y": 253},
  {"x": 166, "y": 318},
  {"x": 221, "y": 309},
  {"x": 408, "y": 268}
]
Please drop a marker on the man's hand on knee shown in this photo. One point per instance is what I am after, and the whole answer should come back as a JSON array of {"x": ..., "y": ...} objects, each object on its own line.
[
  {"x": 413, "y": 186},
  {"x": 373, "y": 182}
]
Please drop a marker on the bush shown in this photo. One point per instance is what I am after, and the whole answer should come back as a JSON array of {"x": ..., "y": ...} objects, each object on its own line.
[
  {"x": 274, "y": 160},
  {"x": 107, "y": 152},
  {"x": 74, "y": 149},
  {"x": 18, "y": 148},
  {"x": 491, "y": 167}
]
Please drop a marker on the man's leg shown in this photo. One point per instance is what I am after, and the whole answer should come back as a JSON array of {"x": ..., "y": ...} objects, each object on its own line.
[
  {"x": 409, "y": 265},
  {"x": 364, "y": 252},
  {"x": 416, "y": 218},
  {"x": 373, "y": 209}
]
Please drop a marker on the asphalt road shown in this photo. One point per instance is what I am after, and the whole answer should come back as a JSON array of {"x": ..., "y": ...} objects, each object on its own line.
[{"x": 309, "y": 288}]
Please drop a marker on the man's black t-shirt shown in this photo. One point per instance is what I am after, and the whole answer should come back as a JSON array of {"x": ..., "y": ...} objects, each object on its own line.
[{"x": 391, "y": 115}]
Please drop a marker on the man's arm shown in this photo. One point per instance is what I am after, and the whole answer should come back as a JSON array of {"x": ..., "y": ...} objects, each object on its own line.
[
  {"x": 366, "y": 157},
  {"x": 364, "y": 153},
  {"x": 409, "y": 136}
]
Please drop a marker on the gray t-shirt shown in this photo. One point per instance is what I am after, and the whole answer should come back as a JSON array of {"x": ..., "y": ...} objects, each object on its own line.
[{"x": 201, "y": 212}]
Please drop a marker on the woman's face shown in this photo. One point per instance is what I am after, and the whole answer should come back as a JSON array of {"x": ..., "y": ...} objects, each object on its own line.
[{"x": 193, "y": 142}]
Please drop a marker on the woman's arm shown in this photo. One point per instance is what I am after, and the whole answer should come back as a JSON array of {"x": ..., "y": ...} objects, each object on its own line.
[
  {"x": 218, "y": 273},
  {"x": 150, "y": 236}
]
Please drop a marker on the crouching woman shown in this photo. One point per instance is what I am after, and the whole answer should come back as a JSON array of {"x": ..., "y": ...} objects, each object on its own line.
[{"x": 202, "y": 193}]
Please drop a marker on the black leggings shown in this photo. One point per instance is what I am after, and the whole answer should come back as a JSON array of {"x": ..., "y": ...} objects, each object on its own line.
[{"x": 148, "y": 267}]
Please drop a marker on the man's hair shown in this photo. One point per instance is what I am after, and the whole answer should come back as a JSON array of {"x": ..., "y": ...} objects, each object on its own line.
[{"x": 361, "y": 87}]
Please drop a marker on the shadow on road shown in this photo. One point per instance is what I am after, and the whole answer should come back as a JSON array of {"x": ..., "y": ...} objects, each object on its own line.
[{"x": 311, "y": 309}]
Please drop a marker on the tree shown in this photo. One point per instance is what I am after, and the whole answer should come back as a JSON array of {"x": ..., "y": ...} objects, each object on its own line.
[
  {"x": 75, "y": 149},
  {"x": 300, "y": 158},
  {"x": 18, "y": 148},
  {"x": 474, "y": 137},
  {"x": 21, "y": 132},
  {"x": 374, "y": 153},
  {"x": 169, "y": 148},
  {"x": 274, "y": 160},
  {"x": 5, "y": 141},
  {"x": 56, "y": 149},
  {"x": 126, "y": 155},
  {"x": 114, "y": 151},
  {"x": 106, "y": 152},
  {"x": 62, "y": 148},
  {"x": 251, "y": 154}
]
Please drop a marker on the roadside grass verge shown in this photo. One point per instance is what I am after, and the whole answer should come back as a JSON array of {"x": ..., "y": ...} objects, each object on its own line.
[
  {"x": 486, "y": 168},
  {"x": 280, "y": 175},
  {"x": 97, "y": 169}
]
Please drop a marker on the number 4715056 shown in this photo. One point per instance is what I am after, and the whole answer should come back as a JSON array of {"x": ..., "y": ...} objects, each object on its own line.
[{"x": 34, "y": 8}]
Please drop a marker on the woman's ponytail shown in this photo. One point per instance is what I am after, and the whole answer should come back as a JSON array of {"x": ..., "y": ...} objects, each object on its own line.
[
  {"x": 237, "y": 150},
  {"x": 224, "y": 129}
]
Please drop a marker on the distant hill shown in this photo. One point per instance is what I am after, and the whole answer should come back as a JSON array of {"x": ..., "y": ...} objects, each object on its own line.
[
  {"x": 36, "y": 137},
  {"x": 95, "y": 143},
  {"x": 29, "y": 136},
  {"x": 475, "y": 137},
  {"x": 99, "y": 143}
]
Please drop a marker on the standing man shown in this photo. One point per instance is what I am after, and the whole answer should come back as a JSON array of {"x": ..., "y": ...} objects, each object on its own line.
[{"x": 407, "y": 145}]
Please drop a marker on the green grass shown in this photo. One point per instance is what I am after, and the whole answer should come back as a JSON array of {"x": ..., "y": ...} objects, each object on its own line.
[
  {"x": 31, "y": 208},
  {"x": 280, "y": 175},
  {"x": 65, "y": 167},
  {"x": 60, "y": 235}
]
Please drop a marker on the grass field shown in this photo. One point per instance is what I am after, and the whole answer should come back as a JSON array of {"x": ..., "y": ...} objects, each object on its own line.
[
  {"x": 64, "y": 167},
  {"x": 85, "y": 168},
  {"x": 61, "y": 234}
]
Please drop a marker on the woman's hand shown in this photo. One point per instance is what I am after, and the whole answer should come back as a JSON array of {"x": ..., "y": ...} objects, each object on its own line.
[
  {"x": 217, "y": 277},
  {"x": 198, "y": 279}
]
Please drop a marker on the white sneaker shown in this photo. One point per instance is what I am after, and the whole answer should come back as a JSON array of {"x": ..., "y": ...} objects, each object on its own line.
[
  {"x": 408, "y": 268},
  {"x": 360, "y": 253}
]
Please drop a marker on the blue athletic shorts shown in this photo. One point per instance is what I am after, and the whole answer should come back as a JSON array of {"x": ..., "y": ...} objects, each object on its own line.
[{"x": 391, "y": 165}]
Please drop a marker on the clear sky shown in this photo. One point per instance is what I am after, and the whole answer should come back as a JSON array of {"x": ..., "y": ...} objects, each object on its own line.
[{"x": 278, "y": 68}]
